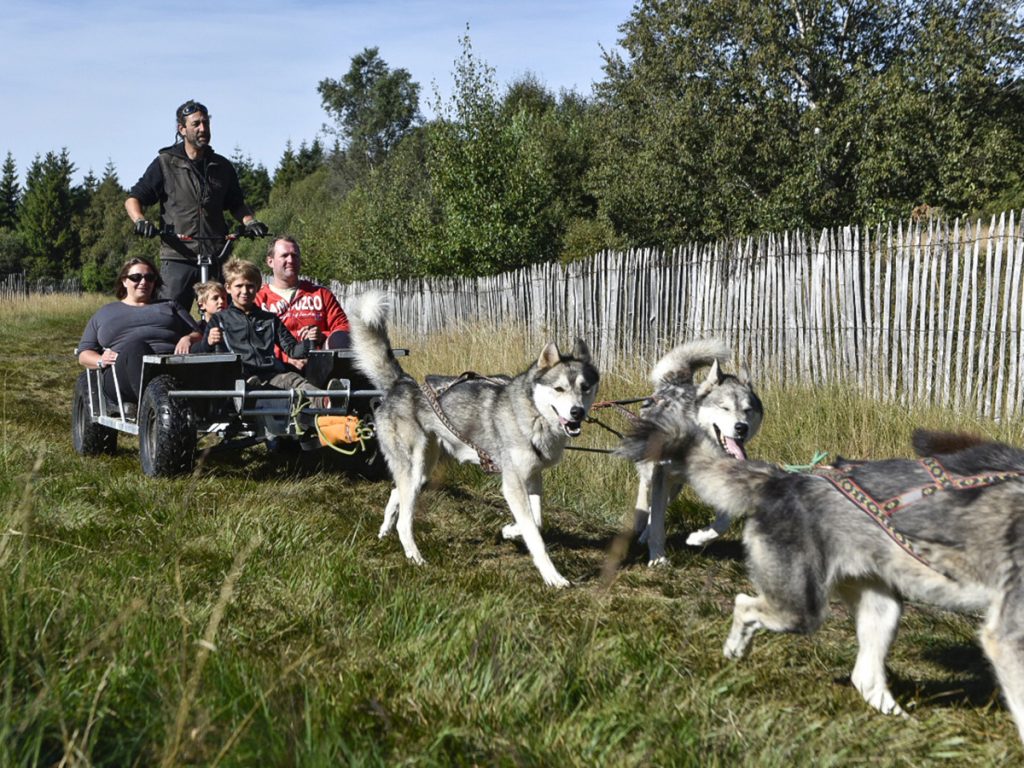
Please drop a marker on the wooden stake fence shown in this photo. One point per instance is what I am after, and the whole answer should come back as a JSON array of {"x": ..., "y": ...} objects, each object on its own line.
[
  {"x": 922, "y": 312},
  {"x": 14, "y": 285}
]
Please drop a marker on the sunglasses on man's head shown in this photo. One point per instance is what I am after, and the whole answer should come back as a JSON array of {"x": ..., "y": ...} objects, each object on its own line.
[
  {"x": 195, "y": 106},
  {"x": 138, "y": 277}
]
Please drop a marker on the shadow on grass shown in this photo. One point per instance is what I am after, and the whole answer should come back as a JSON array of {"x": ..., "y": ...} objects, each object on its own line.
[
  {"x": 609, "y": 550},
  {"x": 289, "y": 460},
  {"x": 971, "y": 685},
  {"x": 974, "y": 683}
]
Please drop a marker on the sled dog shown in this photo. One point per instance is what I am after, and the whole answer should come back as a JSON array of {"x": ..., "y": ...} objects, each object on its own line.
[
  {"x": 518, "y": 426},
  {"x": 946, "y": 529},
  {"x": 724, "y": 405}
]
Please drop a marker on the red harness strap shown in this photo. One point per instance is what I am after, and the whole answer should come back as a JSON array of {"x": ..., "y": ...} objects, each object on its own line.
[{"x": 881, "y": 511}]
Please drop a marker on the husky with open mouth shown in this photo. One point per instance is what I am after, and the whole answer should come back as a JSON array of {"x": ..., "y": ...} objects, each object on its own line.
[
  {"x": 517, "y": 426},
  {"x": 946, "y": 529},
  {"x": 724, "y": 405}
]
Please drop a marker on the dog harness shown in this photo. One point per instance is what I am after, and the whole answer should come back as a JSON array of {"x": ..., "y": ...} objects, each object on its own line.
[
  {"x": 434, "y": 395},
  {"x": 881, "y": 510}
]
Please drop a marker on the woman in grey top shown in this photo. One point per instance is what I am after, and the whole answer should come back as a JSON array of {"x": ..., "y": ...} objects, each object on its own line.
[{"x": 120, "y": 333}]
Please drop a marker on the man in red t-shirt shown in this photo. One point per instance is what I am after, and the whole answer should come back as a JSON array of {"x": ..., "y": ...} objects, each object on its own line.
[{"x": 308, "y": 310}]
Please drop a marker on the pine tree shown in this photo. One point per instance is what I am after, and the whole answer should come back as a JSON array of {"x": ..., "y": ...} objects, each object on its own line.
[
  {"x": 287, "y": 169},
  {"x": 253, "y": 178},
  {"x": 295, "y": 166},
  {"x": 46, "y": 221},
  {"x": 310, "y": 158},
  {"x": 105, "y": 234},
  {"x": 10, "y": 193}
]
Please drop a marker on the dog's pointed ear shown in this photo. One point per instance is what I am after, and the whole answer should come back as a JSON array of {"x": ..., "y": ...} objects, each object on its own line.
[
  {"x": 744, "y": 375},
  {"x": 581, "y": 351},
  {"x": 715, "y": 375},
  {"x": 549, "y": 356},
  {"x": 713, "y": 379}
]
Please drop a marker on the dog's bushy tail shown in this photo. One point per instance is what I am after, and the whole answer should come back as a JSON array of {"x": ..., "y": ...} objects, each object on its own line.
[
  {"x": 679, "y": 364},
  {"x": 369, "y": 326},
  {"x": 659, "y": 438},
  {"x": 929, "y": 443}
]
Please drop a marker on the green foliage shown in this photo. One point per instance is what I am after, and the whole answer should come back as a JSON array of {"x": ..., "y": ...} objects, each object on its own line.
[
  {"x": 944, "y": 125},
  {"x": 492, "y": 177},
  {"x": 302, "y": 213},
  {"x": 12, "y": 251},
  {"x": 385, "y": 226},
  {"x": 10, "y": 193},
  {"x": 715, "y": 118},
  {"x": 726, "y": 116},
  {"x": 46, "y": 220},
  {"x": 586, "y": 237},
  {"x": 295, "y": 166},
  {"x": 106, "y": 235},
  {"x": 373, "y": 106},
  {"x": 253, "y": 178},
  {"x": 493, "y": 185}
]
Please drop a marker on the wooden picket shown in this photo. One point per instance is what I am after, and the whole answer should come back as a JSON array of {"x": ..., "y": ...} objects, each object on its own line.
[
  {"x": 914, "y": 312},
  {"x": 14, "y": 285}
]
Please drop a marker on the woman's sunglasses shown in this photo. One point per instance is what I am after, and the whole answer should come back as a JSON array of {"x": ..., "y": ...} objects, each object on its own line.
[{"x": 138, "y": 277}]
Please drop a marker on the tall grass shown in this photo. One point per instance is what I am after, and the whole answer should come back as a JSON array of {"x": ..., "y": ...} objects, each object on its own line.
[{"x": 248, "y": 615}]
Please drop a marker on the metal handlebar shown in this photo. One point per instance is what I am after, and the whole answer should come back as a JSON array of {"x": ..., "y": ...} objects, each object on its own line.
[
  {"x": 230, "y": 237},
  {"x": 204, "y": 261}
]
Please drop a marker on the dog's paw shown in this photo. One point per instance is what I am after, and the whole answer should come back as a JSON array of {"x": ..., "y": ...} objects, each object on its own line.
[
  {"x": 881, "y": 699},
  {"x": 886, "y": 704},
  {"x": 511, "y": 531},
  {"x": 737, "y": 645},
  {"x": 658, "y": 562},
  {"x": 383, "y": 532},
  {"x": 733, "y": 653},
  {"x": 557, "y": 581},
  {"x": 701, "y": 537},
  {"x": 415, "y": 558}
]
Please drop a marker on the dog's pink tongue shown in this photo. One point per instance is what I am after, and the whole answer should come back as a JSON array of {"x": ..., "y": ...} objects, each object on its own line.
[{"x": 735, "y": 449}]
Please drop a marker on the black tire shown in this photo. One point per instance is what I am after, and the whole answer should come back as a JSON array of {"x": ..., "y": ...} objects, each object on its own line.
[
  {"x": 88, "y": 437},
  {"x": 167, "y": 431}
]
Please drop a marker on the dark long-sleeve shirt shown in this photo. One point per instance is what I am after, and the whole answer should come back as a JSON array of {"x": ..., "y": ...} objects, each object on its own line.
[{"x": 253, "y": 335}]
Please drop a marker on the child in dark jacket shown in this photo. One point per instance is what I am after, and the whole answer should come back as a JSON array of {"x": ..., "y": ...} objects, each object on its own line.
[{"x": 246, "y": 330}]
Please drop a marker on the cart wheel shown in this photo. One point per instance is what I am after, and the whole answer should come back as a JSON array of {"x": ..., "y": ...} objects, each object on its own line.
[
  {"x": 167, "y": 432},
  {"x": 88, "y": 437}
]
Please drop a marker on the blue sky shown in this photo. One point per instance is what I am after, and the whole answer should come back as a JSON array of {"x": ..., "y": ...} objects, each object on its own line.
[{"x": 103, "y": 78}]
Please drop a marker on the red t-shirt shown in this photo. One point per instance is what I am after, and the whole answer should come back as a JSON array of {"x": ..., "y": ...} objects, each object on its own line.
[{"x": 311, "y": 304}]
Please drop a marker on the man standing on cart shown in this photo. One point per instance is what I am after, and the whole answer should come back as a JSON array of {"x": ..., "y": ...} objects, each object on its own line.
[
  {"x": 194, "y": 186},
  {"x": 308, "y": 310}
]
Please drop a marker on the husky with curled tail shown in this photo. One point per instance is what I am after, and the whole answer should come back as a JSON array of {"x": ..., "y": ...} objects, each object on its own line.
[
  {"x": 517, "y": 426},
  {"x": 725, "y": 406},
  {"x": 945, "y": 529}
]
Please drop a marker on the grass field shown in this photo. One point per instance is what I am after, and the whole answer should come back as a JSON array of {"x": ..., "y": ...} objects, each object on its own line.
[{"x": 249, "y": 615}]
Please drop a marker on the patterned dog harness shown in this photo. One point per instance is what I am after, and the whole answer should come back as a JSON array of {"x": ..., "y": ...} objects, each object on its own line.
[
  {"x": 434, "y": 395},
  {"x": 881, "y": 511}
]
